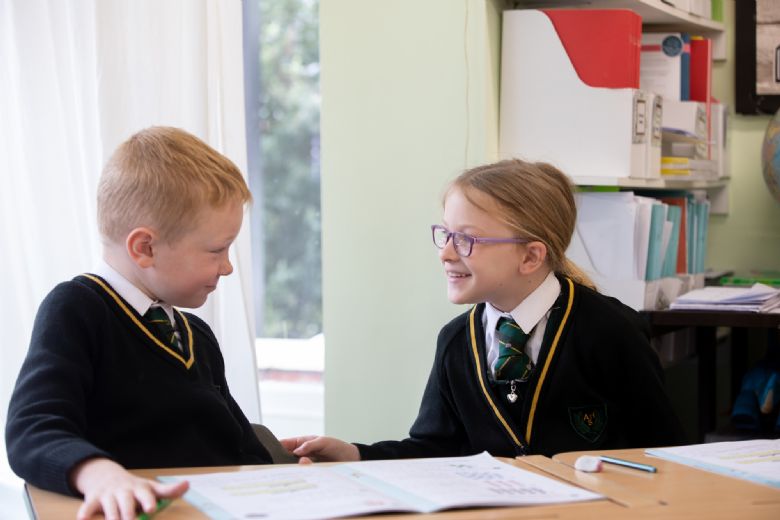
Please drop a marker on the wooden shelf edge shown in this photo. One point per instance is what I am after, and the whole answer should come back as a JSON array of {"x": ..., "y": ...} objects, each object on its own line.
[{"x": 669, "y": 184}]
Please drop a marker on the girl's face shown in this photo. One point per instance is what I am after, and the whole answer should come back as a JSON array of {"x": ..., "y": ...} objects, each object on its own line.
[{"x": 492, "y": 272}]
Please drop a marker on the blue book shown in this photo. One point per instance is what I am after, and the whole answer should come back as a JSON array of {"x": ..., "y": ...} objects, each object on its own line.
[
  {"x": 692, "y": 228},
  {"x": 703, "y": 210},
  {"x": 685, "y": 68},
  {"x": 655, "y": 244},
  {"x": 673, "y": 215}
]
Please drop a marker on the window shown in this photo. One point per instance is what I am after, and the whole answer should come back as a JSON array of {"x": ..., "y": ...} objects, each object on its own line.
[{"x": 281, "y": 62}]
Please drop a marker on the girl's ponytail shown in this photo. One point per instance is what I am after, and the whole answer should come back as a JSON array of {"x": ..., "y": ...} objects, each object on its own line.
[{"x": 577, "y": 275}]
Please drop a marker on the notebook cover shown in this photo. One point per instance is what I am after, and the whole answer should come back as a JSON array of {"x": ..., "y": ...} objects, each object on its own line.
[
  {"x": 701, "y": 79},
  {"x": 682, "y": 241}
]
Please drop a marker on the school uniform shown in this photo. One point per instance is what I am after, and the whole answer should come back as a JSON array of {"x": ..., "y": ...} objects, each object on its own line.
[
  {"x": 99, "y": 381},
  {"x": 596, "y": 384}
]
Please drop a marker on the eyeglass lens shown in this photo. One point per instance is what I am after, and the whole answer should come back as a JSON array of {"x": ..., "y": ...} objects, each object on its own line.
[
  {"x": 460, "y": 241},
  {"x": 462, "y": 244}
]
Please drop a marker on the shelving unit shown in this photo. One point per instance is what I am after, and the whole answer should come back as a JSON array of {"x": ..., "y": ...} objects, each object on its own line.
[{"x": 658, "y": 16}]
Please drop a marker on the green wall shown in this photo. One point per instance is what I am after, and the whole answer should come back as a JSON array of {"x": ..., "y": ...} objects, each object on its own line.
[
  {"x": 749, "y": 236},
  {"x": 409, "y": 99}
]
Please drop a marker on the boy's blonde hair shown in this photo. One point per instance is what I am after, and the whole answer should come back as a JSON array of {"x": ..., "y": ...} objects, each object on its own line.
[
  {"x": 162, "y": 177},
  {"x": 534, "y": 199}
]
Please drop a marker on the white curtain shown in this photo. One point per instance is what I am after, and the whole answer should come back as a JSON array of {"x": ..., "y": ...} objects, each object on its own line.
[{"x": 76, "y": 79}]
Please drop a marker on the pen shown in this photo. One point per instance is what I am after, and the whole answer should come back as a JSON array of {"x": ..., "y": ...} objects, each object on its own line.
[
  {"x": 629, "y": 464},
  {"x": 161, "y": 504}
]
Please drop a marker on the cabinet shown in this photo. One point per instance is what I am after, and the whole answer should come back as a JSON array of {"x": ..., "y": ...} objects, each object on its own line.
[{"x": 705, "y": 324}]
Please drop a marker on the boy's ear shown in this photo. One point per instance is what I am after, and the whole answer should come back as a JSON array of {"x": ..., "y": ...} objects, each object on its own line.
[
  {"x": 533, "y": 258},
  {"x": 139, "y": 246}
]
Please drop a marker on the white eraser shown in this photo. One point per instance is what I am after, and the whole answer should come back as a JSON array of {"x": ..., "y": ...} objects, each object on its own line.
[{"x": 588, "y": 464}]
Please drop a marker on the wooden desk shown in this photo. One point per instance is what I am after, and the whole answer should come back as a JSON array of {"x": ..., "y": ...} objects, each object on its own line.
[
  {"x": 676, "y": 491},
  {"x": 705, "y": 324},
  {"x": 45, "y": 505},
  {"x": 680, "y": 490}
]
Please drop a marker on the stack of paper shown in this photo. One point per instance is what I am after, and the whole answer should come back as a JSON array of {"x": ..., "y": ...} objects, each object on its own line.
[
  {"x": 758, "y": 298},
  {"x": 689, "y": 168}
]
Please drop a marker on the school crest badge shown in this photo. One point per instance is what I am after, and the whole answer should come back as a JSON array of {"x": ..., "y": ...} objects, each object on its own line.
[{"x": 588, "y": 421}]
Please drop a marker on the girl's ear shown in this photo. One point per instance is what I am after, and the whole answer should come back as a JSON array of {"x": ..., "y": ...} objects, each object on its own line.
[
  {"x": 139, "y": 246},
  {"x": 533, "y": 258}
]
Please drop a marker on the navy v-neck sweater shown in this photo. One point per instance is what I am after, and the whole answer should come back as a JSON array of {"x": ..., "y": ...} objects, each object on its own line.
[
  {"x": 597, "y": 385},
  {"x": 96, "y": 382}
]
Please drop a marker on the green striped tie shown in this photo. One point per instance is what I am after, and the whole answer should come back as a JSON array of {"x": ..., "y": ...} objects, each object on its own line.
[
  {"x": 157, "y": 316},
  {"x": 512, "y": 362}
]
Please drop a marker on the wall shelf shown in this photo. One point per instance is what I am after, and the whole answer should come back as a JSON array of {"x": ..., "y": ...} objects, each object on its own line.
[
  {"x": 651, "y": 184},
  {"x": 717, "y": 190}
]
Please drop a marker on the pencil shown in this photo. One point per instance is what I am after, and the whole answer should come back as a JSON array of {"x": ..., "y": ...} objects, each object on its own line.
[
  {"x": 629, "y": 464},
  {"x": 161, "y": 504}
]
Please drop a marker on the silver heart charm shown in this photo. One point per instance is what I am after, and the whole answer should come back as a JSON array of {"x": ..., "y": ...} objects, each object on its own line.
[{"x": 512, "y": 397}]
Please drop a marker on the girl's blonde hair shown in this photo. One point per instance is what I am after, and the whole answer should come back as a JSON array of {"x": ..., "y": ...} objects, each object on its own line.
[
  {"x": 163, "y": 177},
  {"x": 534, "y": 199}
]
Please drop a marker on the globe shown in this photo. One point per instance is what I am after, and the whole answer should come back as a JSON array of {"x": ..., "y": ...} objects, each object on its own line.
[{"x": 770, "y": 156}]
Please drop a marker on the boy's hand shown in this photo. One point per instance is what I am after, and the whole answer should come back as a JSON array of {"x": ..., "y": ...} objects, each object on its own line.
[
  {"x": 110, "y": 488},
  {"x": 311, "y": 448}
]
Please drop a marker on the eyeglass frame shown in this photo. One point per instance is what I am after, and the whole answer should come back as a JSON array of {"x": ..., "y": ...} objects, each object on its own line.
[{"x": 471, "y": 240}]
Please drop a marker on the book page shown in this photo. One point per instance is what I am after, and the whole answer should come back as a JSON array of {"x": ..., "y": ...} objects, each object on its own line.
[
  {"x": 477, "y": 481},
  {"x": 413, "y": 485},
  {"x": 756, "y": 460},
  {"x": 284, "y": 493}
]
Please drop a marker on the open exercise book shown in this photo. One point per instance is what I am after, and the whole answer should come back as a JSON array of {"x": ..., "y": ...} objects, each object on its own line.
[
  {"x": 755, "y": 460},
  {"x": 361, "y": 488}
]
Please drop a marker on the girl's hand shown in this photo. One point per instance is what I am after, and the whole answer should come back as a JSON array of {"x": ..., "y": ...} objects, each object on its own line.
[
  {"x": 110, "y": 488},
  {"x": 311, "y": 448}
]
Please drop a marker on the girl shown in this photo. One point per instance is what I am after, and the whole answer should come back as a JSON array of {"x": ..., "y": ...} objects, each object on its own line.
[{"x": 543, "y": 363}]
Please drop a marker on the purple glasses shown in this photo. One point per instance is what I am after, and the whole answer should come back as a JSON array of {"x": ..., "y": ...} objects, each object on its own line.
[{"x": 464, "y": 243}]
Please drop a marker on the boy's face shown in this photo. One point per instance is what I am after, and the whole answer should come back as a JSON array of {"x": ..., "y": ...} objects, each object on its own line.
[
  {"x": 186, "y": 271},
  {"x": 491, "y": 272}
]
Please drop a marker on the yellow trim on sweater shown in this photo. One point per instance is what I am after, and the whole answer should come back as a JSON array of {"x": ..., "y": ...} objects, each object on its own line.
[
  {"x": 482, "y": 380},
  {"x": 543, "y": 375},
  {"x": 145, "y": 330},
  {"x": 547, "y": 362}
]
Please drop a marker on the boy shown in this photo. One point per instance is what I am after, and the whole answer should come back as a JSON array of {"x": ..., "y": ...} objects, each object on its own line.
[{"x": 117, "y": 378}]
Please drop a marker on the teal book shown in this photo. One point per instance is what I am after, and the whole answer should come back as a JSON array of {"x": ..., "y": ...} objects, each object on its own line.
[
  {"x": 703, "y": 211},
  {"x": 691, "y": 235},
  {"x": 669, "y": 268},
  {"x": 655, "y": 244}
]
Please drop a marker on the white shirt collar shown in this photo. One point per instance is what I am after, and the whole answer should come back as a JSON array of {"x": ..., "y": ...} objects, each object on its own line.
[
  {"x": 134, "y": 296},
  {"x": 532, "y": 309}
]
